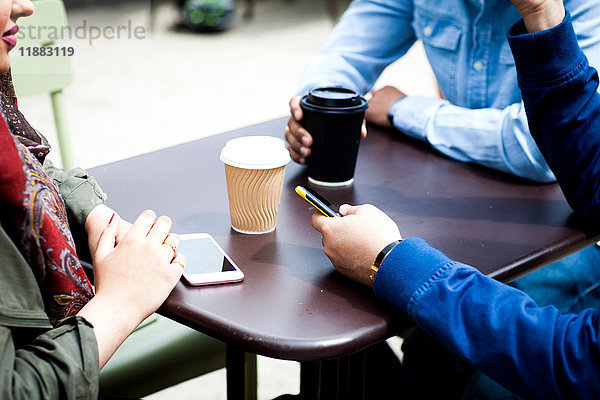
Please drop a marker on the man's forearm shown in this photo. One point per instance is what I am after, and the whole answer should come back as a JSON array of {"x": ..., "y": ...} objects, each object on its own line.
[
  {"x": 495, "y": 138},
  {"x": 531, "y": 350}
]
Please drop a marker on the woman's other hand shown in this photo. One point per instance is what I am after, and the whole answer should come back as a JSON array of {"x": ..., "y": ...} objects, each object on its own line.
[{"x": 132, "y": 277}]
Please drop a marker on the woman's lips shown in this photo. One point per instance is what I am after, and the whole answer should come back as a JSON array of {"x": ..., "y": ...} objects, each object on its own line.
[
  {"x": 11, "y": 31},
  {"x": 9, "y": 37},
  {"x": 10, "y": 40}
]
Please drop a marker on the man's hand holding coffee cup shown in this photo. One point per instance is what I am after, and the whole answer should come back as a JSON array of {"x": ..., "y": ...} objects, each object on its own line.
[
  {"x": 334, "y": 118},
  {"x": 299, "y": 139},
  {"x": 379, "y": 105}
]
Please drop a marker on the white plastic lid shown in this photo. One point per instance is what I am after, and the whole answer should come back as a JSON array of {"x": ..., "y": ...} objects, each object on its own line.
[{"x": 255, "y": 152}]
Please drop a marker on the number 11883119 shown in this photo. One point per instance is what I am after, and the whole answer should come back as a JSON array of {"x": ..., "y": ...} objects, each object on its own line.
[{"x": 48, "y": 51}]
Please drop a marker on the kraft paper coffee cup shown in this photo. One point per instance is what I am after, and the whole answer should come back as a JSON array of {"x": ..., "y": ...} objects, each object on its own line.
[
  {"x": 254, "y": 169},
  {"x": 334, "y": 117}
]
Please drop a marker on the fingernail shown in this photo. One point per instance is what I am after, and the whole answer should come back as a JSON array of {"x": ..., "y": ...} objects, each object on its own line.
[
  {"x": 111, "y": 219},
  {"x": 297, "y": 115},
  {"x": 344, "y": 208},
  {"x": 305, "y": 141}
]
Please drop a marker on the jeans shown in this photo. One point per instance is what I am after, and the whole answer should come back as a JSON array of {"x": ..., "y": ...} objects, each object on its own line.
[{"x": 571, "y": 284}]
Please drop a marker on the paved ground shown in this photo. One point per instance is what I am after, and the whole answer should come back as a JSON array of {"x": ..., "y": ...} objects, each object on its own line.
[{"x": 135, "y": 95}]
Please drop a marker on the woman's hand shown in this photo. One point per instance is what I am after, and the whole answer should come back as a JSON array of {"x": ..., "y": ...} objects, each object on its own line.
[
  {"x": 540, "y": 15},
  {"x": 97, "y": 221},
  {"x": 138, "y": 270},
  {"x": 132, "y": 277},
  {"x": 353, "y": 241}
]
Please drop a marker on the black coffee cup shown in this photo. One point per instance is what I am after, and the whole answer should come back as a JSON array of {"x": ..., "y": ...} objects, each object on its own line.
[{"x": 334, "y": 117}]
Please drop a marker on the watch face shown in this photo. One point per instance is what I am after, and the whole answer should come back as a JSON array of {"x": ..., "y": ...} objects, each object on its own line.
[{"x": 384, "y": 252}]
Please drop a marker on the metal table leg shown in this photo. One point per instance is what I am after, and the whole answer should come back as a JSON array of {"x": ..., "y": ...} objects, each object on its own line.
[
  {"x": 353, "y": 377},
  {"x": 241, "y": 374}
]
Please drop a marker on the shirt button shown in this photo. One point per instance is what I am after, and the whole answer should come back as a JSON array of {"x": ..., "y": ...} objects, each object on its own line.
[
  {"x": 427, "y": 31},
  {"x": 477, "y": 65}
]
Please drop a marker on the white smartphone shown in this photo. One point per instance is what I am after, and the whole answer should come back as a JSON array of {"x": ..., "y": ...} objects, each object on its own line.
[{"x": 207, "y": 263}]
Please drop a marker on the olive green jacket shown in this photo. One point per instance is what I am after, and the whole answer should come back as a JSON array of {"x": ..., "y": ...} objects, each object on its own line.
[{"x": 37, "y": 360}]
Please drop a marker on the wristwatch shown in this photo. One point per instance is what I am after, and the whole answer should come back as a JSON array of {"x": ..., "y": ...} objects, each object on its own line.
[{"x": 379, "y": 259}]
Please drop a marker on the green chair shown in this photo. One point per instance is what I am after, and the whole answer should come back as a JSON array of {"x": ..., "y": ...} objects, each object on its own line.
[{"x": 45, "y": 74}]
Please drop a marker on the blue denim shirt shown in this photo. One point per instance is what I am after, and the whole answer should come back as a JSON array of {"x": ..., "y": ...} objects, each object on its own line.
[{"x": 481, "y": 118}]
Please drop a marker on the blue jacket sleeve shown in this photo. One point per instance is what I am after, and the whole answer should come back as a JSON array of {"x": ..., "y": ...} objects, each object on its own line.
[
  {"x": 535, "y": 352},
  {"x": 563, "y": 107}
]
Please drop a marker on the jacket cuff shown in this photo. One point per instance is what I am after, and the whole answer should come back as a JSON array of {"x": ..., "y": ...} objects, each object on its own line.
[
  {"x": 82, "y": 197},
  {"x": 411, "y": 114},
  {"x": 75, "y": 340},
  {"x": 544, "y": 55},
  {"x": 406, "y": 268},
  {"x": 80, "y": 191}
]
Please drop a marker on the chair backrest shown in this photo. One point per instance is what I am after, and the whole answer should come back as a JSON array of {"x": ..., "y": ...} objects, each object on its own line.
[{"x": 35, "y": 73}]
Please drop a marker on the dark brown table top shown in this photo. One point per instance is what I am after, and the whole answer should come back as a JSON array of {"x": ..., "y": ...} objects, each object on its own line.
[{"x": 292, "y": 304}]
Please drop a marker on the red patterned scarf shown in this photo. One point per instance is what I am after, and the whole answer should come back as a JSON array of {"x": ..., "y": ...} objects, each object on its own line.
[{"x": 33, "y": 212}]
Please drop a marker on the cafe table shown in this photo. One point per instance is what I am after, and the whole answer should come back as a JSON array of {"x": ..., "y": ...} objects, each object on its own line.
[{"x": 292, "y": 304}]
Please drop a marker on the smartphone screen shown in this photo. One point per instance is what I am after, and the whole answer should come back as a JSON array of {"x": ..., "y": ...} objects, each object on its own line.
[{"x": 207, "y": 263}]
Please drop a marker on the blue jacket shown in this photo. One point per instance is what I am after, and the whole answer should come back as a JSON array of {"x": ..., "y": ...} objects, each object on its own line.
[{"x": 536, "y": 352}]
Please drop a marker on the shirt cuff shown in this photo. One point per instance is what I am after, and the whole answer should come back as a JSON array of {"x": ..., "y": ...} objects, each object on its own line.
[
  {"x": 406, "y": 268},
  {"x": 544, "y": 55},
  {"x": 411, "y": 114}
]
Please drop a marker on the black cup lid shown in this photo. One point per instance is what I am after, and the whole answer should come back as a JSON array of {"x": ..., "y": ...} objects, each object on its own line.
[{"x": 334, "y": 97}]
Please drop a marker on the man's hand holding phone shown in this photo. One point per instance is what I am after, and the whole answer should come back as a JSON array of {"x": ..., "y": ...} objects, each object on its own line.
[{"x": 353, "y": 241}]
